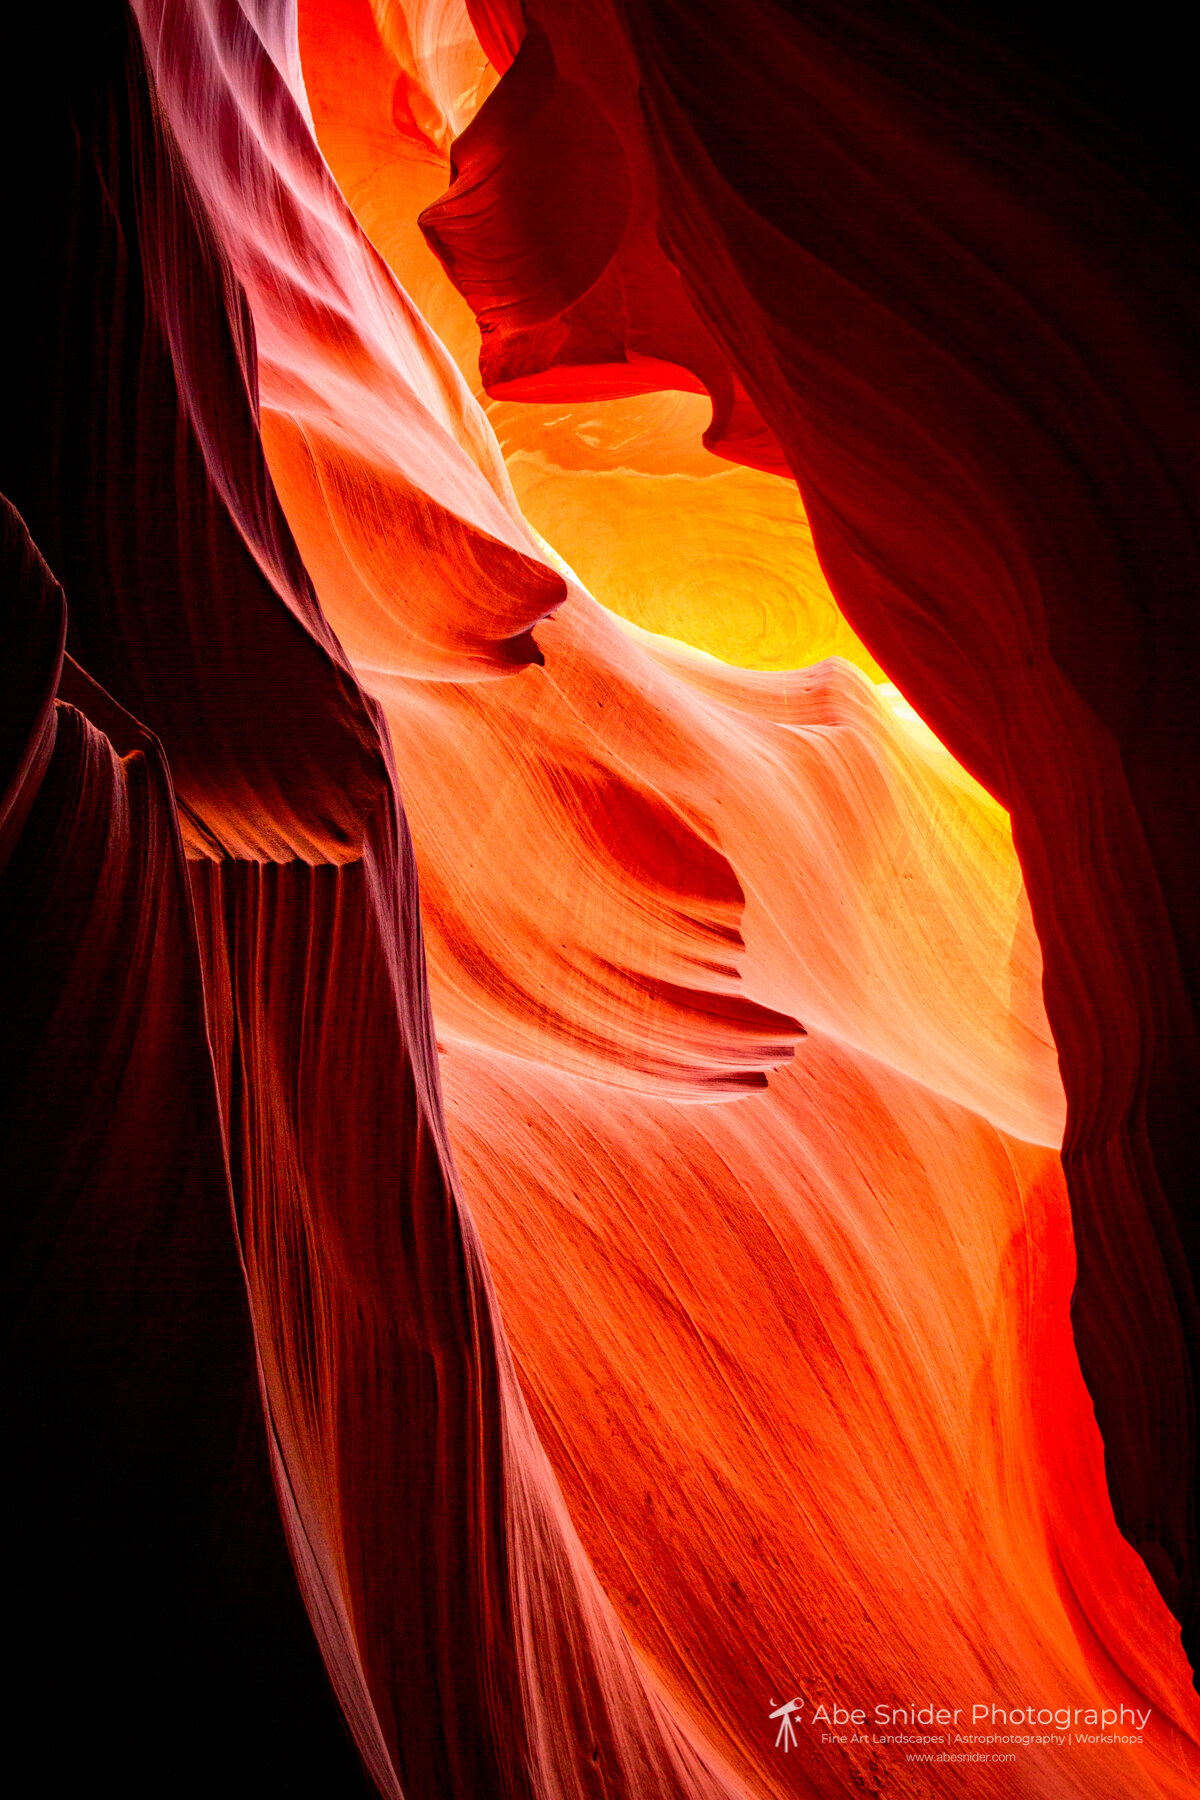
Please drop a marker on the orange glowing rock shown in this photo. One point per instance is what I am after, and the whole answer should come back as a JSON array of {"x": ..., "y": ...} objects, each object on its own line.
[
  {"x": 660, "y": 530},
  {"x": 804, "y": 1367},
  {"x": 795, "y": 1405}
]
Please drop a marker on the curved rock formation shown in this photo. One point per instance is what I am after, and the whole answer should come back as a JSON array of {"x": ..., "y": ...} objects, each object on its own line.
[
  {"x": 793, "y": 1405},
  {"x": 960, "y": 300}
]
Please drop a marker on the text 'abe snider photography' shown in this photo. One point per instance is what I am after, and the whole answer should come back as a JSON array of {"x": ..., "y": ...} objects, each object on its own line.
[{"x": 981, "y": 1722}]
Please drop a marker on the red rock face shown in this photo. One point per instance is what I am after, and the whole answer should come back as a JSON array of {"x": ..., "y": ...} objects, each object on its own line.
[
  {"x": 508, "y": 1336},
  {"x": 957, "y": 293}
]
